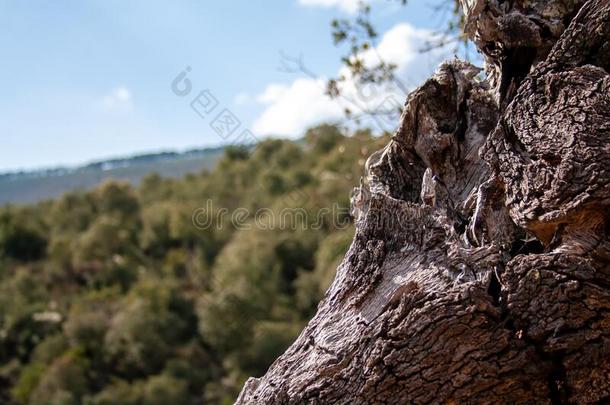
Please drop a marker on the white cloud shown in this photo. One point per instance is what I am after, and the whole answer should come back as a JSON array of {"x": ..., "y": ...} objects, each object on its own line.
[
  {"x": 119, "y": 99},
  {"x": 291, "y": 109},
  {"x": 242, "y": 98},
  {"x": 350, "y": 6},
  {"x": 272, "y": 93}
]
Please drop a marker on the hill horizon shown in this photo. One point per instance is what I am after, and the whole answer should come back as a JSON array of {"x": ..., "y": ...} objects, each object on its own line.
[{"x": 31, "y": 186}]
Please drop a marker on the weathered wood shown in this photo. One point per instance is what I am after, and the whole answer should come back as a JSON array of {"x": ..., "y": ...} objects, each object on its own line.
[{"x": 480, "y": 269}]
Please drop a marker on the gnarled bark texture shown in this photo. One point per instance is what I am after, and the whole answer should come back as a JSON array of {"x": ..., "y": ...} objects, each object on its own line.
[{"x": 479, "y": 272}]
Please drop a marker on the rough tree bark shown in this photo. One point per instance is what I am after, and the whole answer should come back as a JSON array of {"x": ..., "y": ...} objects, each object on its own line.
[{"x": 480, "y": 269}]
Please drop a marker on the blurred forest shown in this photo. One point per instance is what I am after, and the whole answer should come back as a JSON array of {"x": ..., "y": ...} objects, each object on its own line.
[{"x": 114, "y": 296}]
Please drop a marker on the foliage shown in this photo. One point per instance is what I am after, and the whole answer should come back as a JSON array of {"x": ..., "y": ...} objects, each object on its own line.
[
  {"x": 115, "y": 296},
  {"x": 366, "y": 68}
]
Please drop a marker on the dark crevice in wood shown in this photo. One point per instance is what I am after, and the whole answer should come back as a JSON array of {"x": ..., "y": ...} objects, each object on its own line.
[
  {"x": 511, "y": 136},
  {"x": 515, "y": 67},
  {"x": 558, "y": 386},
  {"x": 494, "y": 289},
  {"x": 545, "y": 31},
  {"x": 526, "y": 246},
  {"x": 567, "y": 19},
  {"x": 462, "y": 124}
]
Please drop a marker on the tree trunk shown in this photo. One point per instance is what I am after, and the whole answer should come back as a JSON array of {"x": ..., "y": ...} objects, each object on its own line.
[{"x": 480, "y": 271}]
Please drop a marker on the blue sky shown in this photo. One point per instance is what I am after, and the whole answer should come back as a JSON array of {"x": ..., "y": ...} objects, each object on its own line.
[{"x": 86, "y": 80}]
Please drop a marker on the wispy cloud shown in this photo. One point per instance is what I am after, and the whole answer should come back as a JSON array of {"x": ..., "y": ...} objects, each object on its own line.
[
  {"x": 242, "y": 98},
  {"x": 349, "y": 6},
  {"x": 119, "y": 99}
]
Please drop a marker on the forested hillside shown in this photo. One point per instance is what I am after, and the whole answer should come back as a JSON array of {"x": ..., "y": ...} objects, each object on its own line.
[{"x": 129, "y": 295}]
